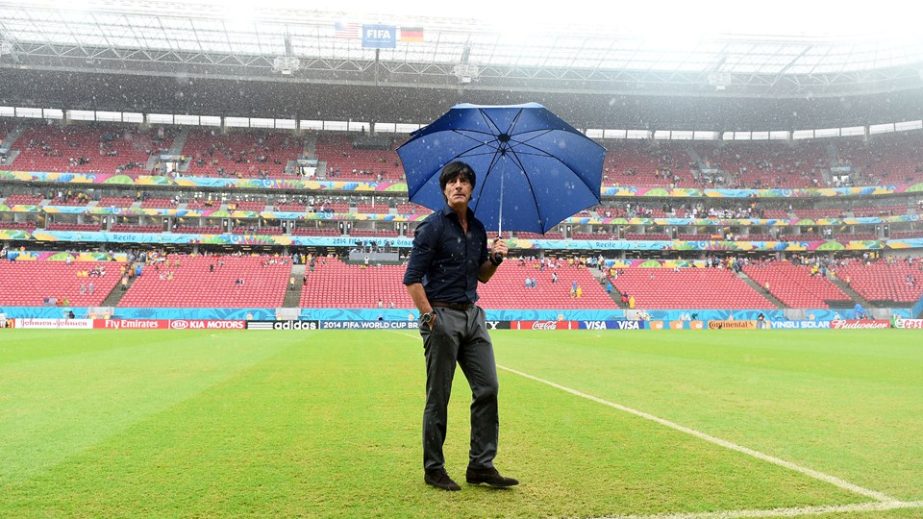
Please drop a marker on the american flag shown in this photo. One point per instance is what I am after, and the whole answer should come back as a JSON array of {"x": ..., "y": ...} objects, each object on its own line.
[{"x": 346, "y": 30}]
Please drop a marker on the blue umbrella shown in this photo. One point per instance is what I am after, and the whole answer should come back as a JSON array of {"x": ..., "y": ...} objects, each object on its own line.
[{"x": 533, "y": 169}]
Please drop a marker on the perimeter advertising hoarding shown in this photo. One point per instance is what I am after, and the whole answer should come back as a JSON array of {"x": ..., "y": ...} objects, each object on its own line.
[
  {"x": 610, "y": 325},
  {"x": 732, "y": 325},
  {"x": 53, "y": 324},
  {"x": 544, "y": 325},
  {"x": 843, "y": 324},
  {"x": 908, "y": 323},
  {"x": 799, "y": 325}
]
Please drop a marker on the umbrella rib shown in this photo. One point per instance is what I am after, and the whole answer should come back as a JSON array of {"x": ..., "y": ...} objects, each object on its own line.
[
  {"x": 542, "y": 134},
  {"x": 513, "y": 122},
  {"x": 538, "y": 208},
  {"x": 490, "y": 122},
  {"x": 543, "y": 153},
  {"x": 460, "y": 131}
]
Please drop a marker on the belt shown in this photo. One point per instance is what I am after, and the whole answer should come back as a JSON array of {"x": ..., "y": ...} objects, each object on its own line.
[{"x": 453, "y": 306}]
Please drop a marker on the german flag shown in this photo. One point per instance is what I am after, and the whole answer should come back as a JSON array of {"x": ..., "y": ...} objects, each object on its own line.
[{"x": 412, "y": 34}]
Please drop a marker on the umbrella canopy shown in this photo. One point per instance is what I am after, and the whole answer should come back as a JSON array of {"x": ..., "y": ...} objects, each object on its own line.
[{"x": 533, "y": 169}]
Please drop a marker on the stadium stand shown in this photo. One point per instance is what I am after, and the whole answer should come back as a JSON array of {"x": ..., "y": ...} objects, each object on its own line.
[
  {"x": 646, "y": 163},
  {"x": 20, "y": 199},
  {"x": 51, "y": 283},
  {"x": 74, "y": 227},
  {"x": 211, "y": 281},
  {"x": 763, "y": 164},
  {"x": 345, "y": 162},
  {"x": 121, "y": 227},
  {"x": 508, "y": 289},
  {"x": 885, "y": 281},
  {"x": 883, "y": 159},
  {"x": 25, "y": 226},
  {"x": 335, "y": 284},
  {"x": 112, "y": 201},
  {"x": 85, "y": 148},
  {"x": 795, "y": 285},
  {"x": 658, "y": 288},
  {"x": 241, "y": 154}
]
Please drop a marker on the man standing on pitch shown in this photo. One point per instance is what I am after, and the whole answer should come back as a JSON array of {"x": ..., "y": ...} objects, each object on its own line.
[{"x": 449, "y": 257}]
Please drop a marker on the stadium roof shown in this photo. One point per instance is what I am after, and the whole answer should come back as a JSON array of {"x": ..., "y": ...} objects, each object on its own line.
[{"x": 549, "y": 52}]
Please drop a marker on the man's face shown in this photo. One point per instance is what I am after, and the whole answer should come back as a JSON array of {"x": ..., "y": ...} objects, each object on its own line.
[{"x": 458, "y": 191}]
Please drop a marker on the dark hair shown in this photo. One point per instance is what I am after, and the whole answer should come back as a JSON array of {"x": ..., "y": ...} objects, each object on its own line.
[{"x": 453, "y": 170}]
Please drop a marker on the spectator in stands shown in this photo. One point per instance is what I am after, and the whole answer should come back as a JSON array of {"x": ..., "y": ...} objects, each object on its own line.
[
  {"x": 859, "y": 311},
  {"x": 453, "y": 329}
]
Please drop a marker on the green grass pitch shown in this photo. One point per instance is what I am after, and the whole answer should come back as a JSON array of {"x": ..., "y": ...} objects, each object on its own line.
[{"x": 327, "y": 424}]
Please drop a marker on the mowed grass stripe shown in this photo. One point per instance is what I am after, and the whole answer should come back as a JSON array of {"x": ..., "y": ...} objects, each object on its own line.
[
  {"x": 330, "y": 426},
  {"x": 81, "y": 387},
  {"x": 788, "y": 394}
]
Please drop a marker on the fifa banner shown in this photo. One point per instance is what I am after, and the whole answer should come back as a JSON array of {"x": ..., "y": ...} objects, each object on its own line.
[
  {"x": 908, "y": 323},
  {"x": 167, "y": 324},
  {"x": 53, "y": 324},
  {"x": 305, "y": 325},
  {"x": 843, "y": 324},
  {"x": 799, "y": 325},
  {"x": 732, "y": 325}
]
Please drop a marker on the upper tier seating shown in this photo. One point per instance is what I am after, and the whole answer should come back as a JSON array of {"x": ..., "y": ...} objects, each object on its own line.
[
  {"x": 111, "y": 201},
  {"x": 23, "y": 200},
  {"x": 82, "y": 148},
  {"x": 344, "y": 162},
  {"x": 74, "y": 227},
  {"x": 24, "y": 226},
  {"x": 241, "y": 154},
  {"x": 765, "y": 164},
  {"x": 122, "y": 227},
  {"x": 884, "y": 159},
  {"x": 646, "y": 163}
]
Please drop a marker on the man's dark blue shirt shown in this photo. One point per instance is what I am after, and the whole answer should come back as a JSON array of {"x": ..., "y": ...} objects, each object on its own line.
[{"x": 445, "y": 260}]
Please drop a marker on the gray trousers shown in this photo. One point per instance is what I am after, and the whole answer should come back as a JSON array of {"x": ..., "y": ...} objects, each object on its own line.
[{"x": 460, "y": 336}]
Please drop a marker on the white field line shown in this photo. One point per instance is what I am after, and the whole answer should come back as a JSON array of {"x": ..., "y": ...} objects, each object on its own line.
[
  {"x": 781, "y": 512},
  {"x": 827, "y": 478}
]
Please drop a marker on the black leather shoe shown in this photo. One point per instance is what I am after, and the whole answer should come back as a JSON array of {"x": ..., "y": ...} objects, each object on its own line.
[
  {"x": 489, "y": 476},
  {"x": 439, "y": 478}
]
